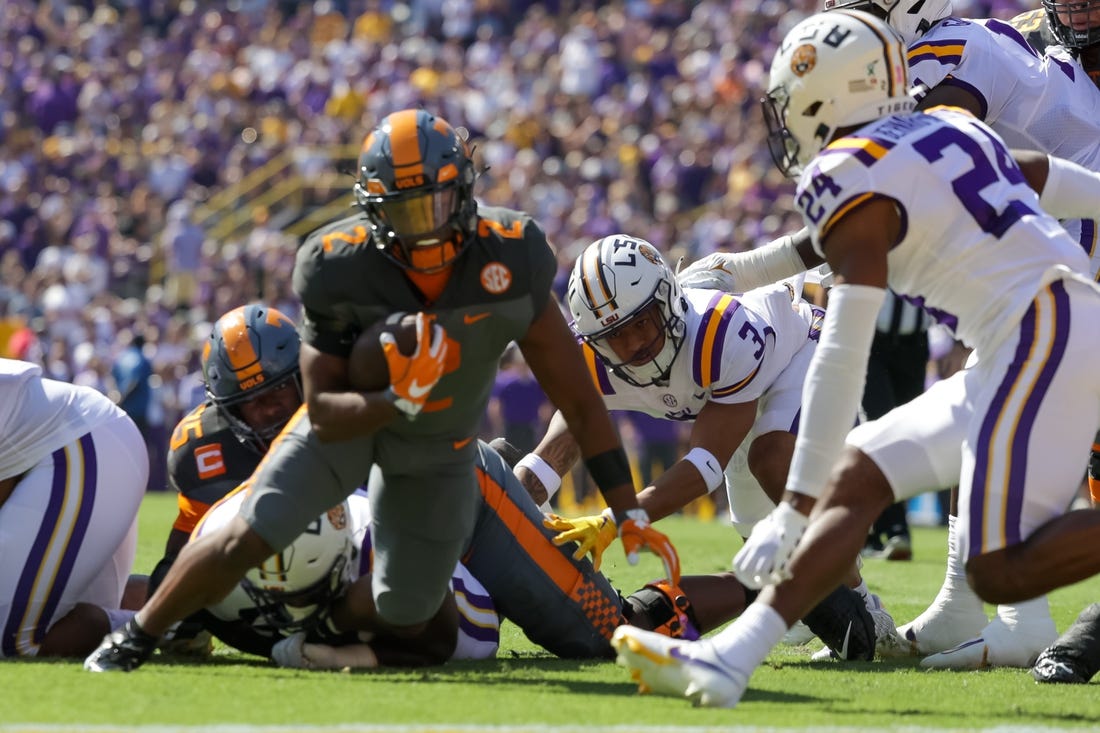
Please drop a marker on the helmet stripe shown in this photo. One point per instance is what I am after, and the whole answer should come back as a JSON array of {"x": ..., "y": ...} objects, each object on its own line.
[
  {"x": 238, "y": 344},
  {"x": 405, "y": 143},
  {"x": 593, "y": 278}
]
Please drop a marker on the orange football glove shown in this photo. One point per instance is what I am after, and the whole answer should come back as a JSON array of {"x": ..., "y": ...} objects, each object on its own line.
[
  {"x": 413, "y": 377},
  {"x": 637, "y": 533}
]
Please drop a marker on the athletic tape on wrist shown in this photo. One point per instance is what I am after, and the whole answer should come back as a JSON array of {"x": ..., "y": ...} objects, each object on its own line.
[
  {"x": 546, "y": 474},
  {"x": 708, "y": 466}
]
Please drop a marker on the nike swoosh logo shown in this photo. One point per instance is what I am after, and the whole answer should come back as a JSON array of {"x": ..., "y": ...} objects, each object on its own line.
[
  {"x": 460, "y": 444},
  {"x": 471, "y": 319},
  {"x": 416, "y": 391},
  {"x": 843, "y": 651}
]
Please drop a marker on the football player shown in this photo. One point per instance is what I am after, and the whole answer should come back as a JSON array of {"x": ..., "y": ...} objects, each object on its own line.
[
  {"x": 73, "y": 468},
  {"x": 253, "y": 386},
  {"x": 731, "y": 366},
  {"x": 892, "y": 198},
  {"x": 559, "y": 602},
  {"x": 1034, "y": 101},
  {"x": 219, "y": 445},
  {"x": 478, "y": 278}
]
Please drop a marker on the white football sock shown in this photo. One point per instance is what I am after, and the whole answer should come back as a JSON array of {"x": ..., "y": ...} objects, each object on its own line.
[{"x": 747, "y": 641}]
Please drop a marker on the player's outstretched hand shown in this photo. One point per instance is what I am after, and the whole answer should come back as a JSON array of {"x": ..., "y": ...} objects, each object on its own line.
[
  {"x": 637, "y": 533},
  {"x": 708, "y": 272},
  {"x": 592, "y": 534},
  {"x": 413, "y": 377},
  {"x": 765, "y": 558}
]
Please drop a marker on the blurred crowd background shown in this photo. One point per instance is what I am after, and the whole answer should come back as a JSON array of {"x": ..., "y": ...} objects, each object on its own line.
[{"x": 122, "y": 123}]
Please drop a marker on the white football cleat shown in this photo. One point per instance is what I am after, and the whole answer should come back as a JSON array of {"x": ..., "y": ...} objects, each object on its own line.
[
  {"x": 798, "y": 635},
  {"x": 688, "y": 669},
  {"x": 998, "y": 645},
  {"x": 952, "y": 619}
]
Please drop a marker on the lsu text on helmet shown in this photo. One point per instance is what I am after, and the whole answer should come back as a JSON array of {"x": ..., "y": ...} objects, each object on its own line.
[
  {"x": 293, "y": 588},
  {"x": 415, "y": 185},
  {"x": 1076, "y": 25},
  {"x": 910, "y": 18},
  {"x": 833, "y": 70},
  {"x": 252, "y": 351},
  {"x": 616, "y": 283}
]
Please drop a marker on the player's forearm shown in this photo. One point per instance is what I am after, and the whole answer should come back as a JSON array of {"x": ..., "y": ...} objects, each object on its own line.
[
  {"x": 603, "y": 453},
  {"x": 337, "y": 416},
  {"x": 672, "y": 491},
  {"x": 558, "y": 447}
]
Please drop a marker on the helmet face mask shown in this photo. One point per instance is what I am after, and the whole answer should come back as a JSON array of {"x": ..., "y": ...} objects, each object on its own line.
[
  {"x": 621, "y": 283},
  {"x": 1076, "y": 25},
  {"x": 294, "y": 588},
  {"x": 781, "y": 144},
  {"x": 833, "y": 70},
  {"x": 252, "y": 352},
  {"x": 416, "y": 187},
  {"x": 911, "y": 19}
]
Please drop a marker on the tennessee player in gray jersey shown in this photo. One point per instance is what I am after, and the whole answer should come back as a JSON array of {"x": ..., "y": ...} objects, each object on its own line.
[{"x": 477, "y": 280}]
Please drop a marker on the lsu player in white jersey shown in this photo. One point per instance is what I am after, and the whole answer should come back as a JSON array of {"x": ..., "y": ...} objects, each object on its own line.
[
  {"x": 281, "y": 602},
  {"x": 1034, "y": 99},
  {"x": 73, "y": 469},
  {"x": 731, "y": 366},
  {"x": 933, "y": 205}
]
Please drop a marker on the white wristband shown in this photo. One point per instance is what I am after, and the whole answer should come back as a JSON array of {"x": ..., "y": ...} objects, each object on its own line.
[
  {"x": 545, "y": 473},
  {"x": 708, "y": 467}
]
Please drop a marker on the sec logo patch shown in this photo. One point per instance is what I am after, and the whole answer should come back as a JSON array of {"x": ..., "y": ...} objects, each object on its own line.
[{"x": 496, "y": 278}]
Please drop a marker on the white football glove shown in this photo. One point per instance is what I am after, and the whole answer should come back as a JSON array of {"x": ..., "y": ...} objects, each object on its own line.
[
  {"x": 294, "y": 652},
  {"x": 708, "y": 273},
  {"x": 288, "y": 652},
  {"x": 767, "y": 552}
]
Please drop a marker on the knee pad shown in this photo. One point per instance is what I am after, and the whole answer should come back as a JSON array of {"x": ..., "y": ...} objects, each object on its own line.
[{"x": 663, "y": 608}]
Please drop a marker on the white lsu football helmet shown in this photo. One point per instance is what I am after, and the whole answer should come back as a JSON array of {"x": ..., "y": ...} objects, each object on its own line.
[
  {"x": 614, "y": 280},
  {"x": 833, "y": 70},
  {"x": 294, "y": 587},
  {"x": 910, "y": 18}
]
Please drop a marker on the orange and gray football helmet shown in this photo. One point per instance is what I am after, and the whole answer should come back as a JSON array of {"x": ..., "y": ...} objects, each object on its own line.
[
  {"x": 252, "y": 350},
  {"x": 415, "y": 184}
]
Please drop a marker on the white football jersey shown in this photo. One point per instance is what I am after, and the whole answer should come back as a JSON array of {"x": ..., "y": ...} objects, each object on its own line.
[
  {"x": 478, "y": 623},
  {"x": 734, "y": 348},
  {"x": 975, "y": 245},
  {"x": 1033, "y": 101},
  {"x": 38, "y": 416}
]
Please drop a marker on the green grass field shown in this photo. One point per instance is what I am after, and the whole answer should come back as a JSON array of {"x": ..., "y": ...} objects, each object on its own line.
[{"x": 525, "y": 689}]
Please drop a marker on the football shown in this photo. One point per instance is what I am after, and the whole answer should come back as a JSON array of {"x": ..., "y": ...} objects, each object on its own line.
[{"x": 367, "y": 368}]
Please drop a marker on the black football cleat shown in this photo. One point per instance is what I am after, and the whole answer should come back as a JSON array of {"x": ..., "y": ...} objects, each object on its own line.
[
  {"x": 843, "y": 622},
  {"x": 122, "y": 650}
]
